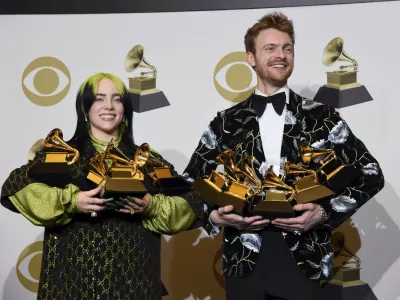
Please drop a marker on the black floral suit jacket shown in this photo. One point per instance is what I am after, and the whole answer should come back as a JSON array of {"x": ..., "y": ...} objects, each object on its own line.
[{"x": 237, "y": 128}]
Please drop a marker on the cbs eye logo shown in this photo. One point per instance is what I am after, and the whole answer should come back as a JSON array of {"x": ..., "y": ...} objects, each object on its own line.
[
  {"x": 234, "y": 79},
  {"x": 28, "y": 266},
  {"x": 49, "y": 77}
]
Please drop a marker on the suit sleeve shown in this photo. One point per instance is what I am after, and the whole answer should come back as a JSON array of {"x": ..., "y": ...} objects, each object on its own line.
[
  {"x": 203, "y": 162},
  {"x": 351, "y": 151}
]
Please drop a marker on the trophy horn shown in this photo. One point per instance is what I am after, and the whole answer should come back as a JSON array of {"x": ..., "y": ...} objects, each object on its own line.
[
  {"x": 246, "y": 169},
  {"x": 308, "y": 153},
  {"x": 54, "y": 140},
  {"x": 293, "y": 169},
  {"x": 226, "y": 158},
  {"x": 143, "y": 157},
  {"x": 334, "y": 51},
  {"x": 117, "y": 156},
  {"x": 136, "y": 59},
  {"x": 272, "y": 180},
  {"x": 98, "y": 162}
]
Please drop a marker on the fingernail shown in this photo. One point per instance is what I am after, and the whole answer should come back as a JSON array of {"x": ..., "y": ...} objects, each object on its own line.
[
  {"x": 108, "y": 200},
  {"x": 119, "y": 203}
]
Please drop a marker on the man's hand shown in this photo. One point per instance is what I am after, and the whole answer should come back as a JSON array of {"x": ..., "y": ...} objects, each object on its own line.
[
  {"x": 311, "y": 216},
  {"x": 224, "y": 217}
]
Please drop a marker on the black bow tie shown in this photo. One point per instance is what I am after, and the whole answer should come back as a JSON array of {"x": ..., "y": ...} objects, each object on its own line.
[{"x": 260, "y": 103}]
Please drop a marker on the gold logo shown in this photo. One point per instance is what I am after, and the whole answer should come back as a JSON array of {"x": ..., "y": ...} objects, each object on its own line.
[
  {"x": 47, "y": 81},
  {"x": 234, "y": 79},
  {"x": 28, "y": 266}
]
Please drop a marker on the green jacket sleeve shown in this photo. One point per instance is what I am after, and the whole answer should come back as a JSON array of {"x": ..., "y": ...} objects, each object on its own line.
[
  {"x": 168, "y": 215},
  {"x": 46, "y": 206}
]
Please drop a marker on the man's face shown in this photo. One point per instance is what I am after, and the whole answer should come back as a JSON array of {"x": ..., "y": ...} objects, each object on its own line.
[{"x": 274, "y": 58}]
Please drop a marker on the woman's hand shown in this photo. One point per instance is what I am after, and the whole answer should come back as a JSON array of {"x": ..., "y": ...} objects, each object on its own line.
[
  {"x": 133, "y": 205},
  {"x": 87, "y": 203}
]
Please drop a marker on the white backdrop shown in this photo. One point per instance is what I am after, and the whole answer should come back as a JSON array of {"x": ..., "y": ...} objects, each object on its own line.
[{"x": 185, "y": 48}]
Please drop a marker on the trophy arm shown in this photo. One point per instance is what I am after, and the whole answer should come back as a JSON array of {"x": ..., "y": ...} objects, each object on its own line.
[
  {"x": 354, "y": 65},
  {"x": 75, "y": 157},
  {"x": 292, "y": 195}
]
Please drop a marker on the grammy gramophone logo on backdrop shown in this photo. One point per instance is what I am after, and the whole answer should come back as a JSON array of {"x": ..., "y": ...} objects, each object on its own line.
[
  {"x": 234, "y": 79},
  {"x": 46, "y": 81},
  {"x": 28, "y": 266},
  {"x": 143, "y": 91},
  {"x": 342, "y": 88}
]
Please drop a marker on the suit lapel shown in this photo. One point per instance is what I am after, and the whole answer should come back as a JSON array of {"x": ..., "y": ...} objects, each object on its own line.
[
  {"x": 251, "y": 139},
  {"x": 292, "y": 129}
]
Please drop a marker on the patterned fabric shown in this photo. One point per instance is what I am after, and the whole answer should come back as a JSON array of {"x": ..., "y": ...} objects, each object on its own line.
[
  {"x": 111, "y": 256},
  {"x": 237, "y": 128}
]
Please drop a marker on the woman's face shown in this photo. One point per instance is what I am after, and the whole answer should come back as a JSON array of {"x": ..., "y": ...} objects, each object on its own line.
[{"x": 107, "y": 110}]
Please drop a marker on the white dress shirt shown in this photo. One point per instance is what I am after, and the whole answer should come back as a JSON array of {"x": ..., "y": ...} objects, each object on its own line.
[{"x": 271, "y": 132}]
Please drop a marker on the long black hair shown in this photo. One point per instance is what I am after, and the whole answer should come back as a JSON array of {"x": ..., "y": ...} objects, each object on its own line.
[{"x": 84, "y": 101}]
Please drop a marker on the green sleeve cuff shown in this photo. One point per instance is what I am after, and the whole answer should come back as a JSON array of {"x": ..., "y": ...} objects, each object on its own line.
[
  {"x": 168, "y": 215},
  {"x": 73, "y": 193},
  {"x": 151, "y": 210}
]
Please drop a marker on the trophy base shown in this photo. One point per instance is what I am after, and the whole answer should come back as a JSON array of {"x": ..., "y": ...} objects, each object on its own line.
[
  {"x": 346, "y": 285},
  {"x": 117, "y": 187},
  {"x": 173, "y": 186},
  {"x": 342, "y": 98},
  {"x": 343, "y": 178},
  {"x": 52, "y": 174},
  {"x": 209, "y": 192},
  {"x": 356, "y": 290},
  {"x": 274, "y": 206},
  {"x": 313, "y": 193},
  {"x": 272, "y": 215},
  {"x": 238, "y": 203},
  {"x": 95, "y": 178},
  {"x": 145, "y": 101},
  {"x": 215, "y": 197},
  {"x": 273, "y": 209}
]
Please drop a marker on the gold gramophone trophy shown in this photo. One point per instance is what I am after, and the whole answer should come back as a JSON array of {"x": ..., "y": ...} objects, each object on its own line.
[
  {"x": 98, "y": 169},
  {"x": 160, "y": 178},
  {"x": 117, "y": 172},
  {"x": 144, "y": 94},
  {"x": 346, "y": 283},
  {"x": 342, "y": 88},
  {"x": 122, "y": 175},
  {"x": 307, "y": 187},
  {"x": 330, "y": 169},
  {"x": 277, "y": 200},
  {"x": 236, "y": 186},
  {"x": 125, "y": 175},
  {"x": 59, "y": 156}
]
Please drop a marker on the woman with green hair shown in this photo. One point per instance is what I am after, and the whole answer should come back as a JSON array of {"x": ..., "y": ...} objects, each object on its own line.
[{"x": 91, "y": 251}]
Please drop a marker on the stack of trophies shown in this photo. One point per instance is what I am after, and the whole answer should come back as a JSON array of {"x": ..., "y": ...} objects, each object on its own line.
[
  {"x": 119, "y": 174},
  {"x": 320, "y": 175}
]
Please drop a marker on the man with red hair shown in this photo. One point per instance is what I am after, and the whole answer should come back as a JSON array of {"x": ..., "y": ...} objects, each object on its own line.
[{"x": 284, "y": 258}]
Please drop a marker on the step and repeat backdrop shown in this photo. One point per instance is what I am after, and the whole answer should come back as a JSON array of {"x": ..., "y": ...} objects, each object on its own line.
[{"x": 47, "y": 49}]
